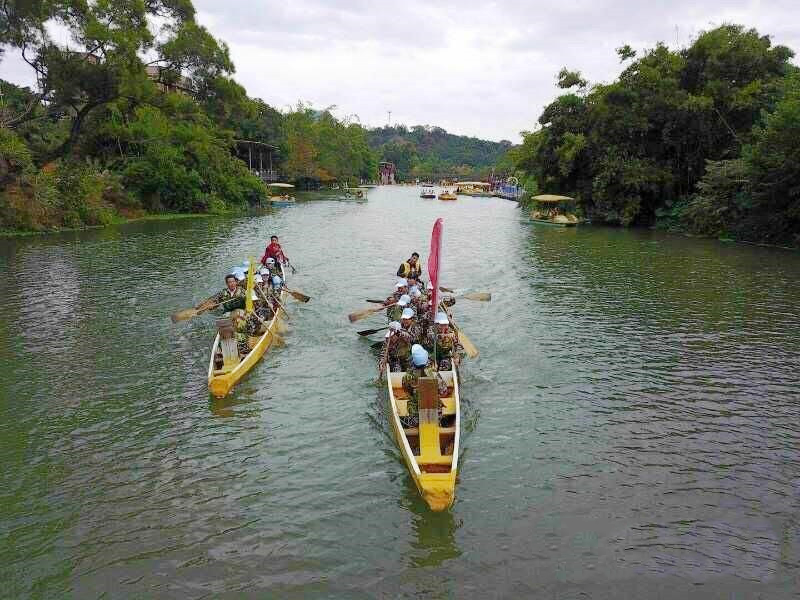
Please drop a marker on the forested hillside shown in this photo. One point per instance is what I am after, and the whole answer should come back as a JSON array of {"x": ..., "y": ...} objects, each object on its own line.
[
  {"x": 704, "y": 139},
  {"x": 108, "y": 133},
  {"x": 430, "y": 152}
]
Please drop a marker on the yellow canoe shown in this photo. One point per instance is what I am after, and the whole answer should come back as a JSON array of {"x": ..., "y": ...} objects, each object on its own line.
[
  {"x": 448, "y": 196},
  {"x": 430, "y": 449},
  {"x": 221, "y": 381}
]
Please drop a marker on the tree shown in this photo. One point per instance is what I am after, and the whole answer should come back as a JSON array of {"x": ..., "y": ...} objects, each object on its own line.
[{"x": 111, "y": 36}]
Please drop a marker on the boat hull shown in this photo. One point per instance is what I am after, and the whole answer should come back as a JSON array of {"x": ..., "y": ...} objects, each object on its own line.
[
  {"x": 554, "y": 224},
  {"x": 436, "y": 488},
  {"x": 221, "y": 383}
]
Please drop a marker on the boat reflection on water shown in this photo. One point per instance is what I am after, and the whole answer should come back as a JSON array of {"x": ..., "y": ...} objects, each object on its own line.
[
  {"x": 226, "y": 407},
  {"x": 435, "y": 531}
]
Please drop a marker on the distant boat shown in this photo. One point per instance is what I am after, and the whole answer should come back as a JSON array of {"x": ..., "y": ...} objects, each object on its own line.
[
  {"x": 554, "y": 210},
  {"x": 447, "y": 195},
  {"x": 427, "y": 192},
  {"x": 284, "y": 199},
  {"x": 474, "y": 188}
]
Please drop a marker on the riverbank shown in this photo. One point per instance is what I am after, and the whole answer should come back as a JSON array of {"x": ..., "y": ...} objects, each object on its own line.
[{"x": 119, "y": 220}]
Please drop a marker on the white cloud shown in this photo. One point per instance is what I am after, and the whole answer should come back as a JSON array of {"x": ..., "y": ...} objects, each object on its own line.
[{"x": 473, "y": 67}]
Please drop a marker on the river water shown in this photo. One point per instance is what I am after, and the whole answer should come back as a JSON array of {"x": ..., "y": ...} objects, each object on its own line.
[{"x": 631, "y": 428}]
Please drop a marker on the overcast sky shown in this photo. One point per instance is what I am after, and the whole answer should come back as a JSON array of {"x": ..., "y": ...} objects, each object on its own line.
[{"x": 475, "y": 68}]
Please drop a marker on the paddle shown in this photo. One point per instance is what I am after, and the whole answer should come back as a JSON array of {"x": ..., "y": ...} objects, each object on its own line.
[
  {"x": 291, "y": 266},
  {"x": 376, "y": 345},
  {"x": 466, "y": 343},
  {"x": 376, "y": 301},
  {"x": 264, "y": 297},
  {"x": 363, "y": 314},
  {"x": 367, "y": 332},
  {"x": 298, "y": 295},
  {"x": 478, "y": 296},
  {"x": 189, "y": 313}
]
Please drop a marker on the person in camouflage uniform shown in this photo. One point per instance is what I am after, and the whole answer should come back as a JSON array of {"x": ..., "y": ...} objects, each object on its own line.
[
  {"x": 409, "y": 322},
  {"x": 442, "y": 342},
  {"x": 400, "y": 289},
  {"x": 421, "y": 306},
  {"x": 240, "y": 327},
  {"x": 393, "y": 313},
  {"x": 396, "y": 349},
  {"x": 421, "y": 366},
  {"x": 232, "y": 295}
]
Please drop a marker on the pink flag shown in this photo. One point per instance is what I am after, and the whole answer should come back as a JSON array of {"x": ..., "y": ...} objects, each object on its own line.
[{"x": 434, "y": 262}]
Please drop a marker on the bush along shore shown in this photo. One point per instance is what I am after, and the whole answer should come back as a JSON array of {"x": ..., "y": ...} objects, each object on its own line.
[{"x": 704, "y": 140}]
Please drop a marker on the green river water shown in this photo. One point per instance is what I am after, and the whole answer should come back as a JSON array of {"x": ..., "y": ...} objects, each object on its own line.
[{"x": 631, "y": 428}]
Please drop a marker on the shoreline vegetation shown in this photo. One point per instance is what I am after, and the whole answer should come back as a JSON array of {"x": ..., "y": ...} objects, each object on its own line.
[
  {"x": 108, "y": 133},
  {"x": 703, "y": 140}
]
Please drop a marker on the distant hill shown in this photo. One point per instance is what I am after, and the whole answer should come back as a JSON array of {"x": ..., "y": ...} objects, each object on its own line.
[{"x": 432, "y": 153}]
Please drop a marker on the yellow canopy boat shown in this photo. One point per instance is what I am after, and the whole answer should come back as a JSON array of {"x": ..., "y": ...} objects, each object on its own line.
[
  {"x": 234, "y": 367},
  {"x": 429, "y": 449},
  {"x": 553, "y": 210},
  {"x": 283, "y": 199},
  {"x": 447, "y": 195},
  {"x": 474, "y": 188}
]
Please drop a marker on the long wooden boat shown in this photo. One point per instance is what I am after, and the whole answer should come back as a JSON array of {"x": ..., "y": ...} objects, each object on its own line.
[
  {"x": 430, "y": 450},
  {"x": 221, "y": 381}
]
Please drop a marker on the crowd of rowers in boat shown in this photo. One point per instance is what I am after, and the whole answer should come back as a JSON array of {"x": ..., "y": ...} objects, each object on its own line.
[
  {"x": 265, "y": 295},
  {"x": 421, "y": 340}
]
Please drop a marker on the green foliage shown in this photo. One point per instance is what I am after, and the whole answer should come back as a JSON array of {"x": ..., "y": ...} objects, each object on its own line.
[
  {"x": 569, "y": 79},
  {"x": 177, "y": 163},
  {"x": 324, "y": 149},
  {"x": 171, "y": 151},
  {"x": 432, "y": 153},
  {"x": 15, "y": 157},
  {"x": 722, "y": 200},
  {"x": 704, "y": 138},
  {"x": 625, "y": 53}
]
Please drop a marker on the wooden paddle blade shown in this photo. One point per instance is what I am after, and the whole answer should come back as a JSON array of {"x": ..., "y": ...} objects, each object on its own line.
[
  {"x": 278, "y": 340},
  {"x": 363, "y": 314},
  {"x": 367, "y": 332},
  {"x": 478, "y": 296},
  {"x": 299, "y": 296},
  {"x": 447, "y": 290},
  {"x": 280, "y": 326},
  {"x": 467, "y": 344},
  {"x": 376, "y": 345},
  {"x": 376, "y": 301},
  {"x": 183, "y": 315}
]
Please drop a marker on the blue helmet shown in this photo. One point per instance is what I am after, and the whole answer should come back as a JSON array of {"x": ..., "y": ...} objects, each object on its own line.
[
  {"x": 419, "y": 356},
  {"x": 277, "y": 281}
]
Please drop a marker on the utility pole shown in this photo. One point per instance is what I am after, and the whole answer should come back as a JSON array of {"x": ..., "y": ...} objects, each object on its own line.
[{"x": 390, "y": 118}]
